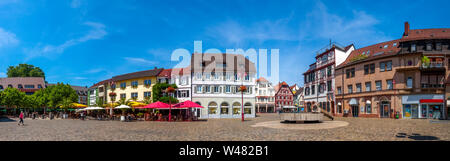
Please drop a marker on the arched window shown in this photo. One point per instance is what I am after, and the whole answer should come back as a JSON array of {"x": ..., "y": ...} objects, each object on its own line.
[
  {"x": 236, "y": 108},
  {"x": 248, "y": 108},
  {"x": 20, "y": 86},
  {"x": 1, "y": 87},
  {"x": 224, "y": 108},
  {"x": 212, "y": 108}
]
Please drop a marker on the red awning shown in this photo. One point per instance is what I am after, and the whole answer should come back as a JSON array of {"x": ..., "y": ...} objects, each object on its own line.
[{"x": 431, "y": 101}]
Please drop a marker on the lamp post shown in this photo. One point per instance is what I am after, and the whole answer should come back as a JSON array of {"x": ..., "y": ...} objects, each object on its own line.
[
  {"x": 242, "y": 89},
  {"x": 168, "y": 91}
]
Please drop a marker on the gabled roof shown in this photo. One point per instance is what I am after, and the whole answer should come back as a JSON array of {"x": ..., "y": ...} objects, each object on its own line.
[
  {"x": 140, "y": 74},
  {"x": 421, "y": 34},
  {"x": 262, "y": 79},
  {"x": 373, "y": 51},
  {"x": 175, "y": 71},
  {"x": 279, "y": 85},
  {"x": 201, "y": 61},
  {"x": 101, "y": 82},
  {"x": 15, "y": 81}
]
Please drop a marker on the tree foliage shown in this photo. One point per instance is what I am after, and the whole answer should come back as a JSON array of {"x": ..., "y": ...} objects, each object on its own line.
[
  {"x": 25, "y": 70},
  {"x": 158, "y": 92},
  {"x": 12, "y": 97}
]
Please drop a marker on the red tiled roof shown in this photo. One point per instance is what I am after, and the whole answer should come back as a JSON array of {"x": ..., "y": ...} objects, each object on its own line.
[
  {"x": 421, "y": 34},
  {"x": 15, "y": 81},
  {"x": 262, "y": 79},
  {"x": 134, "y": 75},
  {"x": 101, "y": 82},
  {"x": 377, "y": 50},
  {"x": 165, "y": 73},
  {"x": 176, "y": 71}
]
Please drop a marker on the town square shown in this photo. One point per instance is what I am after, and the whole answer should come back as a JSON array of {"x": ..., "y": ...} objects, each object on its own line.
[
  {"x": 358, "y": 129},
  {"x": 80, "y": 70}
]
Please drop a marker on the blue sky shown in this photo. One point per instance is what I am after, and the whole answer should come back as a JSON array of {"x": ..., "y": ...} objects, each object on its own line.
[{"x": 85, "y": 41}]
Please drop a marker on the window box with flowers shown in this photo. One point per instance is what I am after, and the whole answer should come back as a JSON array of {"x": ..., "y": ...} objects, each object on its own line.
[
  {"x": 113, "y": 96},
  {"x": 147, "y": 83},
  {"x": 134, "y": 84}
]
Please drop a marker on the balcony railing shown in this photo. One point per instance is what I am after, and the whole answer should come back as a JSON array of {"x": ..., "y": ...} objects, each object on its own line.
[
  {"x": 428, "y": 85},
  {"x": 433, "y": 65}
]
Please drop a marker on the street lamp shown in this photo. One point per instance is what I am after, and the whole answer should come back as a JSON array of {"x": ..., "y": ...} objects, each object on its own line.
[
  {"x": 168, "y": 91},
  {"x": 242, "y": 88}
]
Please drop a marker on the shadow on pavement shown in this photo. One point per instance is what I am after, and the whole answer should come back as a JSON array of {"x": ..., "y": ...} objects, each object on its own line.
[
  {"x": 6, "y": 119},
  {"x": 417, "y": 137}
]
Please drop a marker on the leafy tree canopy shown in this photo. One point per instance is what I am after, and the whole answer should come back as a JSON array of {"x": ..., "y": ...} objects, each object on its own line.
[
  {"x": 25, "y": 70},
  {"x": 158, "y": 91}
]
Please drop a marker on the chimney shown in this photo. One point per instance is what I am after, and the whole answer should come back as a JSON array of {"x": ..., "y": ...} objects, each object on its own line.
[{"x": 406, "y": 29}]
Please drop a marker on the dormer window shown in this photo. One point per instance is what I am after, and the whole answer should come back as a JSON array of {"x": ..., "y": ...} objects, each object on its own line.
[
  {"x": 413, "y": 47},
  {"x": 429, "y": 46},
  {"x": 439, "y": 46}
]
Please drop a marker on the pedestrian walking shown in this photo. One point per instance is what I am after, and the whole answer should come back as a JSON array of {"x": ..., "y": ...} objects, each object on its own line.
[{"x": 21, "y": 118}]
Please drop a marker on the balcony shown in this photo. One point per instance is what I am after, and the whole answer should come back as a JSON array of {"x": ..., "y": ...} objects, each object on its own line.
[
  {"x": 428, "y": 85},
  {"x": 433, "y": 66}
]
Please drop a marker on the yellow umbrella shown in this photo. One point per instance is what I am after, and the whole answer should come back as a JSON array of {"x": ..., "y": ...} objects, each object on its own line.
[
  {"x": 137, "y": 104},
  {"x": 77, "y": 105}
]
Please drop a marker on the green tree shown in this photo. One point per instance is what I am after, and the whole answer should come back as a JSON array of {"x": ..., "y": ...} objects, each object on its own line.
[
  {"x": 12, "y": 97},
  {"x": 65, "y": 104},
  {"x": 158, "y": 93},
  {"x": 123, "y": 101},
  {"x": 99, "y": 103},
  {"x": 25, "y": 70},
  {"x": 57, "y": 93}
]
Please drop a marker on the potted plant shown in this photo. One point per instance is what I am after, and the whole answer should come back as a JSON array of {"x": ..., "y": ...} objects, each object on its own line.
[{"x": 425, "y": 61}]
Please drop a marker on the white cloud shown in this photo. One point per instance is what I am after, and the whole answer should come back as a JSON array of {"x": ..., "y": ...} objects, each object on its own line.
[
  {"x": 140, "y": 61},
  {"x": 95, "y": 70},
  {"x": 232, "y": 32},
  {"x": 360, "y": 28},
  {"x": 2, "y": 74},
  {"x": 97, "y": 32},
  {"x": 5, "y": 2},
  {"x": 75, "y": 3},
  {"x": 79, "y": 78},
  {"x": 7, "y": 38}
]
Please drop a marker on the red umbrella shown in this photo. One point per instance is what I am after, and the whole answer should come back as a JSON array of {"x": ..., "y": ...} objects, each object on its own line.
[
  {"x": 187, "y": 104},
  {"x": 157, "y": 105}
]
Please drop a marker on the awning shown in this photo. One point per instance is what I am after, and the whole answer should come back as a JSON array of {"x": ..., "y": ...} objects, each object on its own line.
[
  {"x": 353, "y": 102},
  {"x": 431, "y": 101}
]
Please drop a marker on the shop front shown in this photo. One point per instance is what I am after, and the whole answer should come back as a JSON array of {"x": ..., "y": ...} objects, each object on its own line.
[
  {"x": 423, "y": 106},
  {"x": 354, "y": 107}
]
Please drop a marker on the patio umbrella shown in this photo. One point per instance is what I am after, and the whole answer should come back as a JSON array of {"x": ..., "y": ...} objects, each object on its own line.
[
  {"x": 77, "y": 105},
  {"x": 93, "y": 108},
  {"x": 137, "y": 104},
  {"x": 187, "y": 104},
  {"x": 122, "y": 107},
  {"x": 157, "y": 105}
]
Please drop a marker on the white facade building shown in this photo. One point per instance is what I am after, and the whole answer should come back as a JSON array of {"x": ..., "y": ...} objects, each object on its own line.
[
  {"x": 265, "y": 96},
  {"x": 216, "y": 79}
]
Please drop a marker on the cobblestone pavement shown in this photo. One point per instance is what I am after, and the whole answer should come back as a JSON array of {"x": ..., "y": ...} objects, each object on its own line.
[{"x": 223, "y": 130}]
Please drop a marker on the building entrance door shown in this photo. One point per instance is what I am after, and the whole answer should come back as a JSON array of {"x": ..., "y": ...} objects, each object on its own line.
[
  {"x": 355, "y": 111},
  {"x": 384, "y": 109}
]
